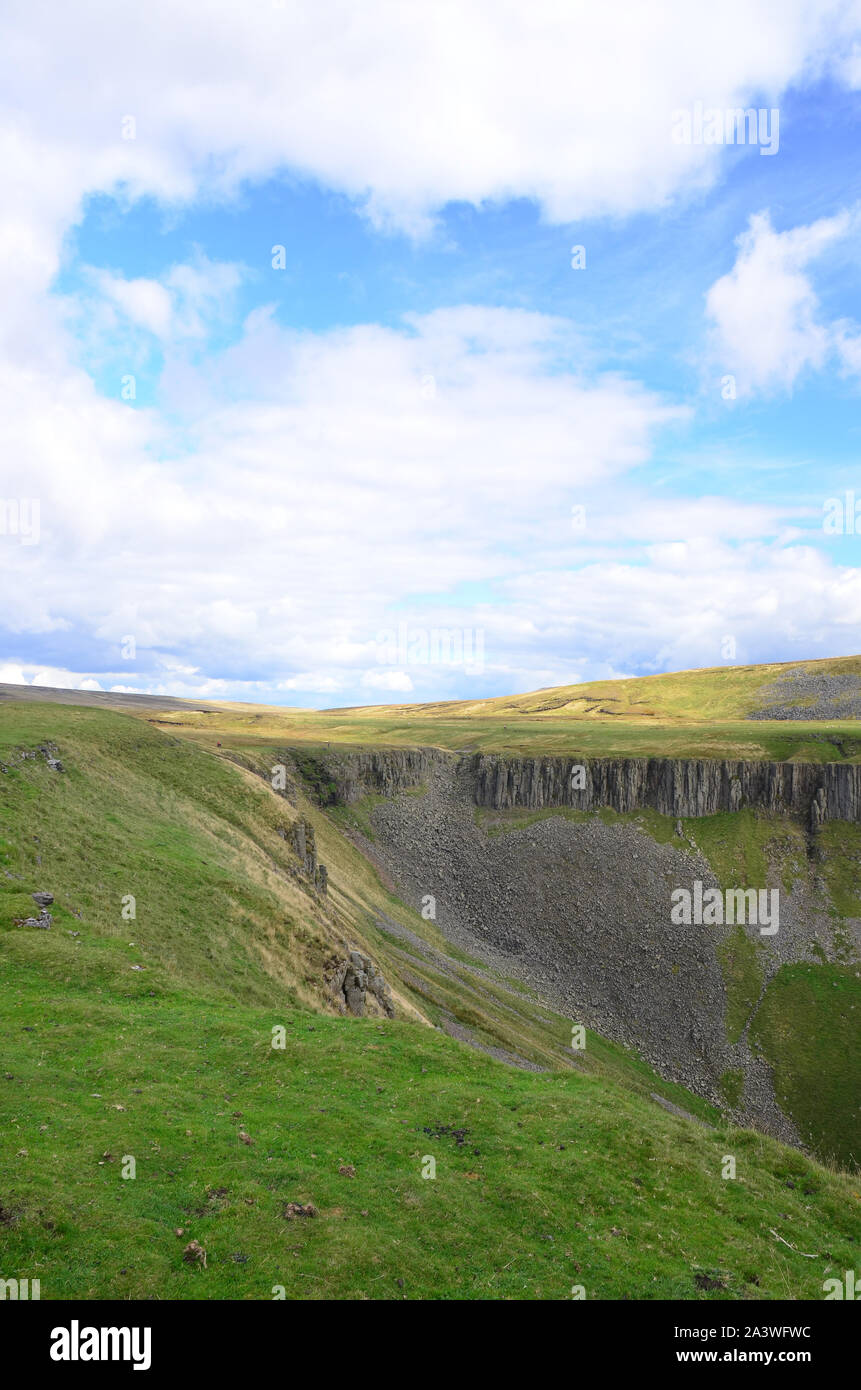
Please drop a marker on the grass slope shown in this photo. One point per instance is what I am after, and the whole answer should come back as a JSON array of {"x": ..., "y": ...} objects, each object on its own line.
[
  {"x": 579, "y": 1176},
  {"x": 561, "y": 1179}
]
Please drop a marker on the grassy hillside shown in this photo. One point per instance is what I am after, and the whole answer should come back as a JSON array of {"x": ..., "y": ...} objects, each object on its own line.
[
  {"x": 714, "y": 693},
  {"x": 219, "y": 906},
  {"x": 151, "y": 1038},
  {"x": 137, "y": 813},
  {"x": 558, "y": 1179}
]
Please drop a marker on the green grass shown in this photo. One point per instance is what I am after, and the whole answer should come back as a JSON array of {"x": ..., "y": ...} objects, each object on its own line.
[
  {"x": 732, "y": 1087},
  {"x": 580, "y": 1177},
  {"x": 527, "y": 735},
  {"x": 742, "y": 972},
  {"x": 744, "y": 846},
  {"x": 807, "y": 1028},
  {"x": 140, "y": 813},
  {"x": 562, "y": 1179},
  {"x": 841, "y": 865}
]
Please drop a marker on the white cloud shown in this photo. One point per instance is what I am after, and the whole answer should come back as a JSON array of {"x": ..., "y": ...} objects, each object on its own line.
[
  {"x": 144, "y": 302},
  {"x": 329, "y": 497},
  {"x": 310, "y": 682},
  {"x": 11, "y": 673},
  {"x": 386, "y": 680},
  {"x": 402, "y": 108},
  {"x": 676, "y": 612},
  {"x": 765, "y": 313},
  {"x": 326, "y": 481},
  {"x": 179, "y": 308},
  {"x": 323, "y": 488}
]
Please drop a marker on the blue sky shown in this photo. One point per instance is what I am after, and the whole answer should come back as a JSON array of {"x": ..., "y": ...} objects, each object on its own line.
[{"x": 392, "y": 433}]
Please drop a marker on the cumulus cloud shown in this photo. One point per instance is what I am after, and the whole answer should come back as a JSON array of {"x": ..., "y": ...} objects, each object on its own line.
[
  {"x": 701, "y": 603},
  {"x": 326, "y": 501},
  {"x": 340, "y": 498},
  {"x": 144, "y": 302},
  {"x": 315, "y": 485},
  {"x": 387, "y": 680},
  {"x": 402, "y": 108},
  {"x": 181, "y": 305},
  {"x": 765, "y": 313}
]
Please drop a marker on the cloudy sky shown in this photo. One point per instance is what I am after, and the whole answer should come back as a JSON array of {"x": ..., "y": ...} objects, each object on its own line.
[{"x": 328, "y": 327}]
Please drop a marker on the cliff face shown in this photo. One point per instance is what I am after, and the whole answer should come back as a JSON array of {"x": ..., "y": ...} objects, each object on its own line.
[
  {"x": 675, "y": 787},
  {"x": 384, "y": 772}
]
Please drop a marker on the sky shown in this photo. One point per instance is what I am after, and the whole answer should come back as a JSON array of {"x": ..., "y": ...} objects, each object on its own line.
[{"x": 389, "y": 353}]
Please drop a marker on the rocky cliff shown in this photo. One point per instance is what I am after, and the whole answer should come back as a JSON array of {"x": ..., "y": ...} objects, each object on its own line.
[
  {"x": 383, "y": 772},
  {"x": 675, "y": 787}
]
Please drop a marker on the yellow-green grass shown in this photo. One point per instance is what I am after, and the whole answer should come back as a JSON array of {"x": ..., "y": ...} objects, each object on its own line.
[
  {"x": 714, "y": 693},
  {"x": 682, "y": 714},
  {"x": 526, "y": 736}
]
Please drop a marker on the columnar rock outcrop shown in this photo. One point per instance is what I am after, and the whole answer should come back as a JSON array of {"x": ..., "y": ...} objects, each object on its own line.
[
  {"x": 383, "y": 771},
  {"x": 305, "y": 845},
  {"x": 672, "y": 786},
  {"x": 676, "y": 787}
]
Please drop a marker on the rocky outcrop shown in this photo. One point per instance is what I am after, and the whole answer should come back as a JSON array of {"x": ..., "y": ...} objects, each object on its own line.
[
  {"x": 347, "y": 777},
  {"x": 305, "y": 845},
  {"x": 675, "y": 787},
  {"x": 44, "y": 921},
  {"x": 678, "y": 787},
  {"x": 351, "y": 980},
  {"x": 580, "y": 910},
  {"x": 47, "y": 750}
]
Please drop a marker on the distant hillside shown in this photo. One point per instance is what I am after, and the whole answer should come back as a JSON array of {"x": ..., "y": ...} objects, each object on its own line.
[
  {"x": 790, "y": 711},
  {"x": 827, "y": 688}
]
